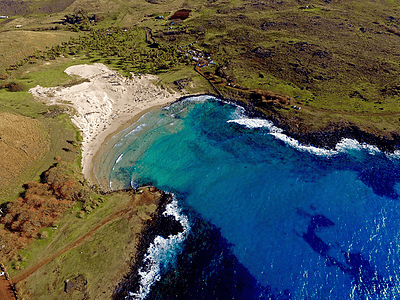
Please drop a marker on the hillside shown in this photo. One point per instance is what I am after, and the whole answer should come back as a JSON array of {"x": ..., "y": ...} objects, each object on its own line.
[{"x": 336, "y": 60}]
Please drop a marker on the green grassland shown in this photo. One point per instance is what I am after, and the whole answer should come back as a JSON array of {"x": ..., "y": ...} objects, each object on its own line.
[
  {"x": 18, "y": 44},
  {"x": 338, "y": 60},
  {"x": 61, "y": 133},
  {"x": 334, "y": 57},
  {"x": 102, "y": 257}
]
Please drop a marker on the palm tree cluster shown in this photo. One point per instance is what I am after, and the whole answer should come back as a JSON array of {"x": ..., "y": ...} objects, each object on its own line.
[{"x": 124, "y": 49}]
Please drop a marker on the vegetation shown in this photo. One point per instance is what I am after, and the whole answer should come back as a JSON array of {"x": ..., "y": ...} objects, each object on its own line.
[
  {"x": 97, "y": 245},
  {"x": 310, "y": 53},
  {"x": 40, "y": 206}
]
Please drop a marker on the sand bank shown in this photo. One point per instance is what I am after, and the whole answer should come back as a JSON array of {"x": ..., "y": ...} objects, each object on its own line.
[{"x": 105, "y": 105}]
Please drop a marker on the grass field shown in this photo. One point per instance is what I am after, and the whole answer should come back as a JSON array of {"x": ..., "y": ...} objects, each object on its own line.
[
  {"x": 98, "y": 245},
  {"x": 17, "y": 44},
  {"x": 332, "y": 57},
  {"x": 55, "y": 126}
]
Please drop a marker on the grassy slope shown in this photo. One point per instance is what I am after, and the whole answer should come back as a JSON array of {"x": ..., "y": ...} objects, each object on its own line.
[
  {"x": 17, "y": 45},
  {"x": 102, "y": 257},
  {"x": 337, "y": 58},
  {"x": 57, "y": 127}
]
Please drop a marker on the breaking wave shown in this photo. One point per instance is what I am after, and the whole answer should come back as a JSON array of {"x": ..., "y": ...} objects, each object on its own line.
[
  {"x": 161, "y": 253},
  {"x": 344, "y": 145}
]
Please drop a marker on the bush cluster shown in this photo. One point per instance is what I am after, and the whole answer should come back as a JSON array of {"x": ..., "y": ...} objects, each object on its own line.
[
  {"x": 40, "y": 206},
  {"x": 13, "y": 86}
]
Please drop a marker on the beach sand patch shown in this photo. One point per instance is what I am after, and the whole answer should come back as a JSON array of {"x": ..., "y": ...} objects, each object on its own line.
[{"x": 104, "y": 105}]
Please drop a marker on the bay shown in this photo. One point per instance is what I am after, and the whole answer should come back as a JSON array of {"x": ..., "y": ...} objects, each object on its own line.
[{"x": 270, "y": 218}]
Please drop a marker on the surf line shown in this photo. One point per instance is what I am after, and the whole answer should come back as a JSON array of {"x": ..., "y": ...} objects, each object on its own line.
[
  {"x": 342, "y": 146},
  {"x": 241, "y": 117},
  {"x": 161, "y": 253}
]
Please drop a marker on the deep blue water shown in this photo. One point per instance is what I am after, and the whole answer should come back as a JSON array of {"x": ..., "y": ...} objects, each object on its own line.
[{"x": 270, "y": 219}]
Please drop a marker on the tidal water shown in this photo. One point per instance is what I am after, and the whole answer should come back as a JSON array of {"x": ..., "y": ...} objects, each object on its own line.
[{"x": 265, "y": 217}]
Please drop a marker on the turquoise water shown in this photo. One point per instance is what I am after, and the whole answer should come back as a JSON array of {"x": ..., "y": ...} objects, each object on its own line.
[{"x": 295, "y": 222}]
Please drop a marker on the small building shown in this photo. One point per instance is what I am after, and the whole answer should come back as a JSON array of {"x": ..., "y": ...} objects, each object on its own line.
[{"x": 3, "y": 17}]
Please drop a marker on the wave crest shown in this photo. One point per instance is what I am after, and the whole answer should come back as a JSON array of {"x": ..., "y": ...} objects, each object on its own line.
[
  {"x": 162, "y": 252},
  {"x": 344, "y": 145}
]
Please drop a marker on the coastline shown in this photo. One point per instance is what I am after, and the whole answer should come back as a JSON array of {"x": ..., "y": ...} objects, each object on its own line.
[
  {"x": 119, "y": 119},
  {"x": 109, "y": 134},
  {"x": 105, "y": 105},
  {"x": 326, "y": 138}
]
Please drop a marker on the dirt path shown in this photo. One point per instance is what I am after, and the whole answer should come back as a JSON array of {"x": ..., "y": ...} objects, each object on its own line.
[
  {"x": 77, "y": 242},
  {"x": 6, "y": 293}
]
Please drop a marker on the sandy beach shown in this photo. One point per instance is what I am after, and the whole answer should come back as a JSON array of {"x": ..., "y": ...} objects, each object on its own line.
[{"x": 104, "y": 106}]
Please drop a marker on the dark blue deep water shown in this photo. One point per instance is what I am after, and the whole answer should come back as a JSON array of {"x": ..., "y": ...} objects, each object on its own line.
[{"x": 269, "y": 218}]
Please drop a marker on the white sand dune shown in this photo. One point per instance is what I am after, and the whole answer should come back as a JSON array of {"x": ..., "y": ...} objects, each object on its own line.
[{"x": 104, "y": 105}]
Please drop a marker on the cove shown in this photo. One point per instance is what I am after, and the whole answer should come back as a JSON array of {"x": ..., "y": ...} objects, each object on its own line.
[{"x": 275, "y": 219}]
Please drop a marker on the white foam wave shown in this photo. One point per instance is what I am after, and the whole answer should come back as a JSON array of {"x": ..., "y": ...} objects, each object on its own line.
[
  {"x": 278, "y": 133},
  {"x": 119, "y": 158},
  {"x": 253, "y": 123},
  {"x": 394, "y": 155},
  {"x": 238, "y": 113},
  {"x": 350, "y": 144},
  {"x": 130, "y": 132},
  {"x": 344, "y": 145},
  {"x": 136, "y": 129},
  {"x": 161, "y": 250},
  {"x": 200, "y": 98}
]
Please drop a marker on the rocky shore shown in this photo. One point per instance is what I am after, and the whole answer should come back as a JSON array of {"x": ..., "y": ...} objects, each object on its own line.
[
  {"x": 108, "y": 102},
  {"x": 160, "y": 225},
  {"x": 327, "y": 137}
]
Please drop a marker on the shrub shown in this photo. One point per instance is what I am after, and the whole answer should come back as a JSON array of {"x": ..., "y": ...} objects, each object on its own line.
[
  {"x": 44, "y": 235},
  {"x": 15, "y": 87}
]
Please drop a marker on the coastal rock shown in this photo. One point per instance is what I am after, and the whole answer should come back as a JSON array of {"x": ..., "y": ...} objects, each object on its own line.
[
  {"x": 76, "y": 284},
  {"x": 160, "y": 224}
]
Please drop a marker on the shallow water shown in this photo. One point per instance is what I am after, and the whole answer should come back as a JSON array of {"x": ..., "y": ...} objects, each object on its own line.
[{"x": 286, "y": 221}]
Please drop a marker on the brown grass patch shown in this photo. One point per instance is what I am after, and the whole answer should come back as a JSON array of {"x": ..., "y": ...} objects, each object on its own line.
[{"x": 22, "y": 144}]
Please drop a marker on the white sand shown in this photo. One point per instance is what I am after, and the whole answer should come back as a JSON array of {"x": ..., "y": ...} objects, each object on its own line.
[{"x": 103, "y": 105}]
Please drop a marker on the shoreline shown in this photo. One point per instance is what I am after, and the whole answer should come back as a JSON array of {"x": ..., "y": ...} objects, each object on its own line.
[
  {"x": 105, "y": 105},
  {"x": 95, "y": 140},
  {"x": 326, "y": 138},
  {"x": 109, "y": 103},
  {"x": 90, "y": 174}
]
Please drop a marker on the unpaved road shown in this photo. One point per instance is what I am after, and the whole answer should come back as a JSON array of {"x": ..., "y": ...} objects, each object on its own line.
[
  {"x": 77, "y": 242},
  {"x": 6, "y": 292}
]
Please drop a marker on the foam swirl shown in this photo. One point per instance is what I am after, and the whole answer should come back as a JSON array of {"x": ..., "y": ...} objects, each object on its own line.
[
  {"x": 344, "y": 145},
  {"x": 161, "y": 252}
]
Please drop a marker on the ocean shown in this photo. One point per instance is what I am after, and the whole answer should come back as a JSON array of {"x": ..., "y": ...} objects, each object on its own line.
[{"x": 263, "y": 216}]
